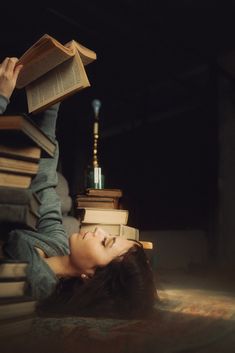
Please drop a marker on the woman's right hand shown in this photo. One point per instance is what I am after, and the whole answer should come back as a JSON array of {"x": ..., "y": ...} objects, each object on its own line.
[{"x": 9, "y": 71}]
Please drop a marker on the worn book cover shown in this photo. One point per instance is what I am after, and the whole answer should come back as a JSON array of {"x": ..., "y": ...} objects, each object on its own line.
[
  {"x": 8, "y": 179},
  {"x": 10, "y": 268},
  {"x": 18, "y": 166},
  {"x": 102, "y": 215},
  {"x": 96, "y": 201},
  {"x": 52, "y": 71},
  {"x": 12, "y": 288},
  {"x": 19, "y": 152},
  {"x": 104, "y": 192},
  {"x": 25, "y": 132},
  {"x": 16, "y": 307}
]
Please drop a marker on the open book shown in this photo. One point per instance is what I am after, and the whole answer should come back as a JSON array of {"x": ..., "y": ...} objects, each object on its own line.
[{"x": 53, "y": 71}]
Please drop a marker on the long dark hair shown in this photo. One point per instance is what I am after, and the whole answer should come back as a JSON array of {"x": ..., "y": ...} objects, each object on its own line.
[{"x": 125, "y": 288}]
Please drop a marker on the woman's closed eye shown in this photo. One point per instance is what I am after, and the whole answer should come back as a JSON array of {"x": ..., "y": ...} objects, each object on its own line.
[{"x": 104, "y": 241}]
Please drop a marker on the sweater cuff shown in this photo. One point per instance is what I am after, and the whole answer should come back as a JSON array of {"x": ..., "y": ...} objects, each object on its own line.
[{"x": 3, "y": 103}]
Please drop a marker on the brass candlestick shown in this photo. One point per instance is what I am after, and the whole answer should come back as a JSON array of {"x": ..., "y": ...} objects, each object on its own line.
[
  {"x": 96, "y": 104},
  {"x": 95, "y": 177}
]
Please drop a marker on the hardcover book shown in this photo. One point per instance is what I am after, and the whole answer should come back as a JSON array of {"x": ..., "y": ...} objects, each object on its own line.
[
  {"x": 102, "y": 215},
  {"x": 18, "y": 166},
  {"x": 15, "y": 180},
  {"x": 24, "y": 153},
  {"x": 23, "y": 131},
  {"x": 12, "y": 288},
  {"x": 14, "y": 269},
  {"x": 96, "y": 201},
  {"x": 104, "y": 192},
  {"x": 53, "y": 71},
  {"x": 16, "y": 307}
]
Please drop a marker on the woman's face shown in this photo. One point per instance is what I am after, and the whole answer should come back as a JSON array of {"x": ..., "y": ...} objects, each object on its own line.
[{"x": 96, "y": 249}]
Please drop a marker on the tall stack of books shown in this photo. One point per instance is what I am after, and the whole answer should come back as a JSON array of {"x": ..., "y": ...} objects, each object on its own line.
[
  {"x": 22, "y": 143},
  {"x": 102, "y": 208},
  {"x": 17, "y": 310}
]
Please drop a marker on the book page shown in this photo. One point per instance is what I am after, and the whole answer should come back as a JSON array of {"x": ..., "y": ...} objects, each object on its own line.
[
  {"x": 40, "y": 65},
  {"x": 87, "y": 55},
  {"x": 42, "y": 45},
  {"x": 64, "y": 80}
]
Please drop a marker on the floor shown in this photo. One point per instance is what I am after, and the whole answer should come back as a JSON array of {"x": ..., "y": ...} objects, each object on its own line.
[{"x": 195, "y": 314}]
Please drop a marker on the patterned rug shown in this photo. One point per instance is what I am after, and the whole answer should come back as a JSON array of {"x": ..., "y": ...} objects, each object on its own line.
[{"x": 186, "y": 320}]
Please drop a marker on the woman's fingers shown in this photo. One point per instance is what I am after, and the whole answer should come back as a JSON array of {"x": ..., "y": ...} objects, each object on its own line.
[
  {"x": 17, "y": 71},
  {"x": 11, "y": 63},
  {"x": 3, "y": 65},
  {"x": 9, "y": 71}
]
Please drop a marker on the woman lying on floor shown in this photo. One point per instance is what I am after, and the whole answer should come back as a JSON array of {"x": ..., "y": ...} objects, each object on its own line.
[{"x": 93, "y": 274}]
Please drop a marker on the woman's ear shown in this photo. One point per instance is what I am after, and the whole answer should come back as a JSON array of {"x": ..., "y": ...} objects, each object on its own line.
[{"x": 84, "y": 277}]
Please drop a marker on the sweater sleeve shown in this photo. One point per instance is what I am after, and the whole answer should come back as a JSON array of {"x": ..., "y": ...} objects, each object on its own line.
[
  {"x": 3, "y": 104},
  {"x": 40, "y": 278}
]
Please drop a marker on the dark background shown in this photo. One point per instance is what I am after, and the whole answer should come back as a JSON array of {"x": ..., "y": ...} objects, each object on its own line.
[{"x": 156, "y": 76}]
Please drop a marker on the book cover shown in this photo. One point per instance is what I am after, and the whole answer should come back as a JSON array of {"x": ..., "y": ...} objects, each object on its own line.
[
  {"x": 104, "y": 192},
  {"x": 15, "y": 269},
  {"x": 17, "y": 151},
  {"x": 94, "y": 201},
  {"x": 47, "y": 53},
  {"x": 101, "y": 215},
  {"x": 23, "y": 131},
  {"x": 18, "y": 166},
  {"x": 15, "y": 180},
  {"x": 52, "y": 71},
  {"x": 16, "y": 307},
  {"x": 12, "y": 288}
]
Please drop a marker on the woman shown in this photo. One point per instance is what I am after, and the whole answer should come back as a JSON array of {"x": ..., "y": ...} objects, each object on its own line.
[{"x": 88, "y": 274}]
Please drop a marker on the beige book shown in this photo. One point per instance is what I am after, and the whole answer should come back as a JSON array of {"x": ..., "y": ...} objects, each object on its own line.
[
  {"x": 53, "y": 71},
  {"x": 18, "y": 166},
  {"x": 16, "y": 307},
  {"x": 28, "y": 153},
  {"x": 12, "y": 289},
  {"x": 12, "y": 268},
  {"x": 122, "y": 230},
  {"x": 23, "y": 131},
  {"x": 102, "y": 215},
  {"x": 15, "y": 180}
]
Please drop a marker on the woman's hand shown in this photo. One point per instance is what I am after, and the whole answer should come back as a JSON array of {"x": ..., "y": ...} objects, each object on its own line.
[{"x": 9, "y": 71}]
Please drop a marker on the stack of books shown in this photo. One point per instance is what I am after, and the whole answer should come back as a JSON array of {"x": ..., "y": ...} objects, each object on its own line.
[
  {"x": 101, "y": 208},
  {"x": 101, "y": 198},
  {"x": 22, "y": 144},
  {"x": 17, "y": 310}
]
